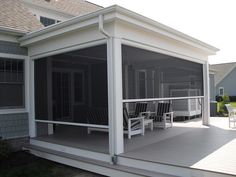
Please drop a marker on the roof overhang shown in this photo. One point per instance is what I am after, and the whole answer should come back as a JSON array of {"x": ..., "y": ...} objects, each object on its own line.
[
  {"x": 12, "y": 31},
  {"x": 113, "y": 13}
]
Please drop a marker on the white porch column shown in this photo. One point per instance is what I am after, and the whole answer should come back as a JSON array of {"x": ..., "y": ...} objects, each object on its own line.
[
  {"x": 32, "y": 125},
  {"x": 206, "y": 102},
  {"x": 114, "y": 70}
]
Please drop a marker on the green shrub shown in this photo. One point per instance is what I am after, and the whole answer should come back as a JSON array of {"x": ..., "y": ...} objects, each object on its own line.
[
  {"x": 222, "y": 109},
  {"x": 5, "y": 149}
]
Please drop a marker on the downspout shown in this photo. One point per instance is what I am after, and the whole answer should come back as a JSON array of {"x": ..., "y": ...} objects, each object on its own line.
[
  {"x": 106, "y": 34},
  {"x": 101, "y": 26}
]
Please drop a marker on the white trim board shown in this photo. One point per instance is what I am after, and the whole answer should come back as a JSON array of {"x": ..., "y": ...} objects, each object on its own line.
[
  {"x": 93, "y": 166},
  {"x": 13, "y": 56},
  {"x": 70, "y": 150},
  {"x": 160, "y": 50},
  {"x": 13, "y": 111},
  {"x": 70, "y": 49},
  {"x": 110, "y": 14}
]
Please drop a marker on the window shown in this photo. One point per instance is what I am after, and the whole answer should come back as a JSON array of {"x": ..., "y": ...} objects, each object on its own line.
[
  {"x": 47, "y": 21},
  {"x": 11, "y": 83},
  {"x": 221, "y": 91}
]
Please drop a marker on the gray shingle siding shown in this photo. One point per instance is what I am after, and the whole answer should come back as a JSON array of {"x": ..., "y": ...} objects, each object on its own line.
[
  {"x": 14, "y": 125},
  {"x": 229, "y": 84},
  {"x": 212, "y": 87},
  {"x": 12, "y": 48}
]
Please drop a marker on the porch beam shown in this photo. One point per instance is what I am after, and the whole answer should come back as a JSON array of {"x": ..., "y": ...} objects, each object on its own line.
[
  {"x": 206, "y": 100},
  {"x": 114, "y": 68}
]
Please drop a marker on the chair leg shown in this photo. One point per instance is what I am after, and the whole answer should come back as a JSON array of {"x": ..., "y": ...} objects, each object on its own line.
[
  {"x": 88, "y": 131},
  {"x": 143, "y": 128},
  {"x": 164, "y": 121},
  {"x": 129, "y": 135},
  {"x": 151, "y": 125}
]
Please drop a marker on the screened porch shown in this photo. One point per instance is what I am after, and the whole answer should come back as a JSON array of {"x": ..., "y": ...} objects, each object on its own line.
[{"x": 71, "y": 95}]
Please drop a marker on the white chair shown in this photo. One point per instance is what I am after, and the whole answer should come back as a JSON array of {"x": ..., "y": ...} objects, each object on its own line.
[
  {"x": 163, "y": 117},
  {"x": 231, "y": 114},
  {"x": 133, "y": 126}
]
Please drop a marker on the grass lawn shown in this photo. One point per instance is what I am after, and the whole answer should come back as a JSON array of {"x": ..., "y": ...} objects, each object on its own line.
[
  {"x": 233, "y": 104},
  {"x": 23, "y": 164}
]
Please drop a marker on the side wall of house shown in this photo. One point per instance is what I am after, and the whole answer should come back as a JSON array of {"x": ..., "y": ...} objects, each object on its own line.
[
  {"x": 212, "y": 87},
  {"x": 13, "y": 123},
  {"x": 228, "y": 83}
]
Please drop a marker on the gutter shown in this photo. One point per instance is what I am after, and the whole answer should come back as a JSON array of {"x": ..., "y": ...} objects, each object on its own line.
[{"x": 12, "y": 31}]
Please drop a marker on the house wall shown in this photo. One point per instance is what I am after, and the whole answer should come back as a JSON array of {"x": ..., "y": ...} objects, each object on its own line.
[
  {"x": 13, "y": 123},
  {"x": 228, "y": 83},
  {"x": 12, "y": 48},
  {"x": 212, "y": 87}
]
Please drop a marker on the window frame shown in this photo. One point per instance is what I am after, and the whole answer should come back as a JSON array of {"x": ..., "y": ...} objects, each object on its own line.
[
  {"x": 25, "y": 107},
  {"x": 219, "y": 91},
  {"x": 47, "y": 18}
]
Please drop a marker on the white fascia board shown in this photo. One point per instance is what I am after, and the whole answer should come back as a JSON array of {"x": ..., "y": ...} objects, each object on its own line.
[
  {"x": 72, "y": 24},
  {"x": 12, "y": 31},
  {"x": 147, "y": 23},
  {"x": 123, "y": 14}
]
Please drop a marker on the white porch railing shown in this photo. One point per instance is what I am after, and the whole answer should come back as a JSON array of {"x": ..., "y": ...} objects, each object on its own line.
[
  {"x": 161, "y": 99},
  {"x": 124, "y": 101},
  {"x": 72, "y": 123}
]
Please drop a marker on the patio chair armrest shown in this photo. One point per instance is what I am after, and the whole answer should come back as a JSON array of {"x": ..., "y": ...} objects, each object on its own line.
[
  {"x": 137, "y": 118},
  {"x": 152, "y": 113},
  {"x": 145, "y": 114},
  {"x": 169, "y": 115}
]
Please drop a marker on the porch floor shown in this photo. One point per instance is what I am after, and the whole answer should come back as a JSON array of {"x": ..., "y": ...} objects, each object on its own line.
[
  {"x": 188, "y": 144},
  {"x": 191, "y": 145},
  {"x": 77, "y": 137}
]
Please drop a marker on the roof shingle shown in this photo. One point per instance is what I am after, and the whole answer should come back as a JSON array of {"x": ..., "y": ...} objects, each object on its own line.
[
  {"x": 72, "y": 7},
  {"x": 13, "y": 14},
  {"x": 221, "y": 70}
]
